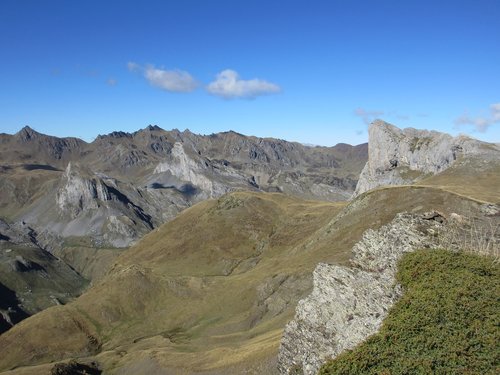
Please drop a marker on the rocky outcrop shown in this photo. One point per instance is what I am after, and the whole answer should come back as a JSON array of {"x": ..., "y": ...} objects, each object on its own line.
[
  {"x": 95, "y": 205},
  {"x": 78, "y": 193},
  {"x": 199, "y": 172},
  {"x": 348, "y": 304},
  {"x": 75, "y": 368},
  {"x": 397, "y": 157}
]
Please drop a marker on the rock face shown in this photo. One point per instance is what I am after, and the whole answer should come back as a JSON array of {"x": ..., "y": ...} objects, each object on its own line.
[
  {"x": 397, "y": 157},
  {"x": 348, "y": 304},
  {"x": 78, "y": 193},
  {"x": 117, "y": 188},
  {"x": 201, "y": 174}
]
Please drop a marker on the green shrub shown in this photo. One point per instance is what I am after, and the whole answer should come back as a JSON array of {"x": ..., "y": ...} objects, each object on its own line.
[{"x": 447, "y": 322}]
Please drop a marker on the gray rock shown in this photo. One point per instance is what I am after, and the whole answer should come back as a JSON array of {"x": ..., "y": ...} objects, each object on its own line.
[
  {"x": 397, "y": 157},
  {"x": 77, "y": 194},
  {"x": 348, "y": 304}
]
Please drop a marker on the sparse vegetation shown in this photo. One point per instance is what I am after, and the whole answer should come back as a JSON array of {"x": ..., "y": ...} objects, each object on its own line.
[
  {"x": 446, "y": 322},
  {"x": 417, "y": 143},
  {"x": 409, "y": 174},
  {"x": 186, "y": 276},
  {"x": 473, "y": 236}
]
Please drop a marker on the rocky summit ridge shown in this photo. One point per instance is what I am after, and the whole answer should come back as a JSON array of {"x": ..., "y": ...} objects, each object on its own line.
[
  {"x": 210, "y": 289},
  {"x": 404, "y": 156},
  {"x": 83, "y": 203},
  {"x": 146, "y": 177}
]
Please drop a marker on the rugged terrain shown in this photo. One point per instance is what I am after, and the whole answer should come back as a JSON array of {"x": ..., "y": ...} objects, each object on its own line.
[
  {"x": 349, "y": 304},
  {"x": 31, "y": 279},
  {"x": 212, "y": 290},
  {"x": 110, "y": 192},
  {"x": 399, "y": 157},
  {"x": 168, "y": 304},
  {"x": 85, "y": 202}
]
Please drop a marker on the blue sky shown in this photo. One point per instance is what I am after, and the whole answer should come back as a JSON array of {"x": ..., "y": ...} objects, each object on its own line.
[{"x": 308, "y": 71}]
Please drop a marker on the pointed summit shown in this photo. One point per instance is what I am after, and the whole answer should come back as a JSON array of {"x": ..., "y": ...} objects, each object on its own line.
[
  {"x": 27, "y": 134},
  {"x": 153, "y": 128}
]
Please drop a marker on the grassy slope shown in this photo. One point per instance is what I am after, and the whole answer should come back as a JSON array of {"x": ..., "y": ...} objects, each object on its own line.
[
  {"x": 213, "y": 289},
  {"x": 446, "y": 322},
  {"x": 21, "y": 188},
  {"x": 205, "y": 282},
  {"x": 470, "y": 177}
]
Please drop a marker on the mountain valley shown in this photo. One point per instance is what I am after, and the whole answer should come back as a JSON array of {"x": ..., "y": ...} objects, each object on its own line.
[{"x": 220, "y": 254}]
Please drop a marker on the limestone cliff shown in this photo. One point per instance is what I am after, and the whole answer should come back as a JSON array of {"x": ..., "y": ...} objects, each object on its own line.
[
  {"x": 93, "y": 205},
  {"x": 78, "y": 193},
  {"x": 200, "y": 173},
  {"x": 397, "y": 157}
]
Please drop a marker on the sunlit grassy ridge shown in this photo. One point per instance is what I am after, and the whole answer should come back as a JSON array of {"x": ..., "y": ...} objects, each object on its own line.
[{"x": 446, "y": 322}]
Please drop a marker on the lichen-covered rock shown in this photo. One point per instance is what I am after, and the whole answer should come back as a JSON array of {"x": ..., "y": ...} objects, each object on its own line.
[{"x": 348, "y": 304}]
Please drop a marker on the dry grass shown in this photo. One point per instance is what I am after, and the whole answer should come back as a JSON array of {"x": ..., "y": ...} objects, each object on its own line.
[
  {"x": 212, "y": 290},
  {"x": 471, "y": 178},
  {"x": 472, "y": 235},
  {"x": 21, "y": 188}
]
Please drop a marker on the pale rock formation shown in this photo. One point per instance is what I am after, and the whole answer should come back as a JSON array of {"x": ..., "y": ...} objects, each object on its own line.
[
  {"x": 397, "y": 157},
  {"x": 78, "y": 193},
  {"x": 187, "y": 169}
]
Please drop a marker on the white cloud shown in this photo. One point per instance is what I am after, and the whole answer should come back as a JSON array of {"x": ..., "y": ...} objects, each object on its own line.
[
  {"x": 480, "y": 124},
  {"x": 229, "y": 86},
  {"x": 168, "y": 80},
  {"x": 367, "y": 115},
  {"x": 112, "y": 82},
  {"x": 133, "y": 67},
  {"x": 495, "y": 111}
]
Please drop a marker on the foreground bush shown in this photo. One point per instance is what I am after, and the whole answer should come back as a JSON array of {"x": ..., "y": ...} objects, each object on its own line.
[{"x": 447, "y": 322}]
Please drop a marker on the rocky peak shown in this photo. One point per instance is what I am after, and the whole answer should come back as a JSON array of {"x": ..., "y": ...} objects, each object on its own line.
[
  {"x": 27, "y": 134},
  {"x": 393, "y": 152},
  {"x": 149, "y": 131},
  {"x": 115, "y": 134},
  {"x": 188, "y": 168},
  {"x": 153, "y": 128},
  {"x": 80, "y": 191}
]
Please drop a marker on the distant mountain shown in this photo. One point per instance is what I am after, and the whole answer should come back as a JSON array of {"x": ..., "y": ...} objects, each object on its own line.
[
  {"x": 69, "y": 207},
  {"x": 122, "y": 185},
  {"x": 226, "y": 283}
]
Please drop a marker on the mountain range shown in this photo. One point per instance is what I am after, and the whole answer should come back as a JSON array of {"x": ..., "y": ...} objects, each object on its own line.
[{"x": 166, "y": 252}]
